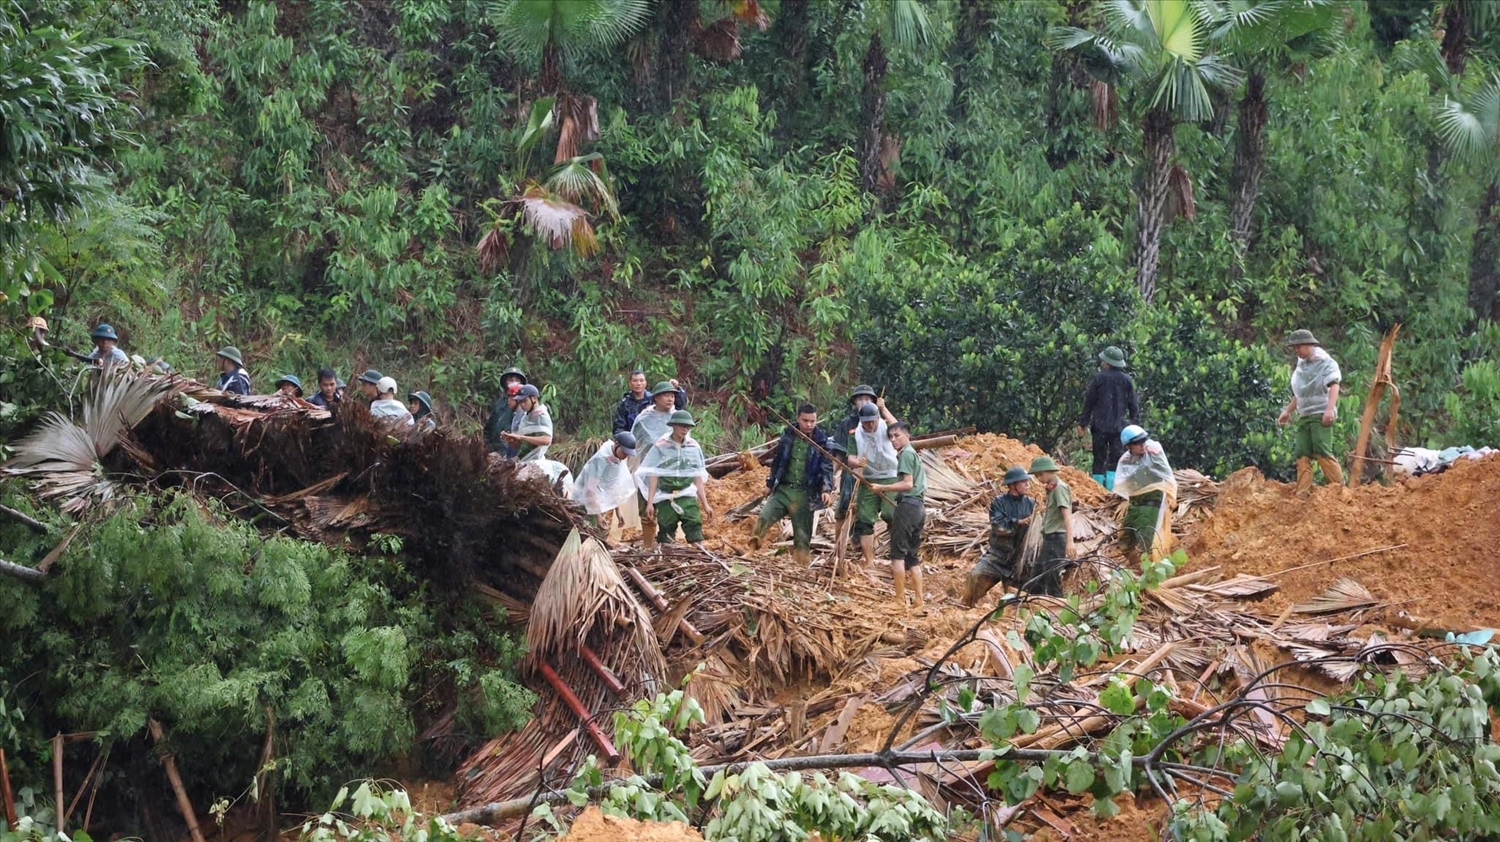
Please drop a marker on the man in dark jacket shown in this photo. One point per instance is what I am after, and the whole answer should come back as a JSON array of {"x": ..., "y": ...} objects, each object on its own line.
[
  {"x": 503, "y": 412},
  {"x": 638, "y": 398},
  {"x": 1010, "y": 516},
  {"x": 233, "y": 378},
  {"x": 801, "y": 482},
  {"x": 330, "y": 390},
  {"x": 1108, "y": 406}
]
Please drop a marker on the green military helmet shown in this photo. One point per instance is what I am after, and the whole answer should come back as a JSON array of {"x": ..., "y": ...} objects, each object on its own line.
[
  {"x": 1302, "y": 337},
  {"x": 292, "y": 379},
  {"x": 1015, "y": 475},
  {"x": 231, "y": 353},
  {"x": 862, "y": 391},
  {"x": 681, "y": 418},
  {"x": 663, "y": 388},
  {"x": 1112, "y": 357},
  {"x": 103, "y": 331},
  {"x": 513, "y": 372},
  {"x": 1043, "y": 464},
  {"x": 422, "y": 398},
  {"x": 371, "y": 376}
]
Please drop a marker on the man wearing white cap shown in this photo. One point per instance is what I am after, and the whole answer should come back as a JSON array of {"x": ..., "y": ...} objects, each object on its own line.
[
  {"x": 386, "y": 407},
  {"x": 532, "y": 431}
]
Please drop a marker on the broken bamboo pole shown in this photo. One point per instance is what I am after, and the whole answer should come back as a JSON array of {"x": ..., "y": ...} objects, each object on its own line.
[
  {"x": 1381, "y": 382},
  {"x": 651, "y": 593},
  {"x": 57, "y": 781},
  {"x": 168, "y": 762},
  {"x": 585, "y": 718}
]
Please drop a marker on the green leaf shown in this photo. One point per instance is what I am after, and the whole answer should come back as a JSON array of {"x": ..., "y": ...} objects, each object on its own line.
[
  {"x": 1079, "y": 777},
  {"x": 1118, "y": 698},
  {"x": 1319, "y": 707}
]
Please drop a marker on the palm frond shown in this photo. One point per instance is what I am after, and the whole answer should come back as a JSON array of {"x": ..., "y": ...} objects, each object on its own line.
[
  {"x": 580, "y": 125},
  {"x": 1426, "y": 57},
  {"x": 910, "y": 26},
  {"x": 524, "y": 27},
  {"x": 577, "y": 183},
  {"x": 543, "y": 115},
  {"x": 608, "y": 22},
  {"x": 1179, "y": 29},
  {"x": 1067, "y": 38},
  {"x": 62, "y": 456},
  {"x": 1472, "y": 130},
  {"x": 1131, "y": 18},
  {"x": 558, "y": 222}
]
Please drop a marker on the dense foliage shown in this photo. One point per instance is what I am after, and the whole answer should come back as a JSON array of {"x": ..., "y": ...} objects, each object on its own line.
[
  {"x": 173, "y": 612},
  {"x": 442, "y": 189}
]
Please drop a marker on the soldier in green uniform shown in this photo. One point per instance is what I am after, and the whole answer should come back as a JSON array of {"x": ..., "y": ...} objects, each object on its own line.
[
  {"x": 801, "y": 482},
  {"x": 1057, "y": 529},
  {"x": 1010, "y": 515},
  {"x": 904, "y": 511},
  {"x": 673, "y": 477}
]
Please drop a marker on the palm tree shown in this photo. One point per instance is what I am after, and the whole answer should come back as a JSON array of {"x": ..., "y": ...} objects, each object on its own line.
[
  {"x": 550, "y": 34},
  {"x": 1264, "y": 35},
  {"x": 905, "y": 23},
  {"x": 1469, "y": 126},
  {"x": 1164, "y": 47}
]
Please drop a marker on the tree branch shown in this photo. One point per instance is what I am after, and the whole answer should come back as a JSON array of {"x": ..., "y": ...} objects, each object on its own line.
[
  {"x": 21, "y": 517},
  {"x": 30, "y": 574}
]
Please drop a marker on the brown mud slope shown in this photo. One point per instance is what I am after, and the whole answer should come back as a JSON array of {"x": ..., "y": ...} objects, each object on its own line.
[
  {"x": 1449, "y": 523},
  {"x": 594, "y": 826}
]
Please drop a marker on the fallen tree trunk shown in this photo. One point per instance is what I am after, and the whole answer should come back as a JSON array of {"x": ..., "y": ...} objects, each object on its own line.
[{"x": 21, "y": 517}]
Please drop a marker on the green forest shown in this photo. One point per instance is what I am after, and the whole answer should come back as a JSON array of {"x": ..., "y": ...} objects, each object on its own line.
[{"x": 960, "y": 202}]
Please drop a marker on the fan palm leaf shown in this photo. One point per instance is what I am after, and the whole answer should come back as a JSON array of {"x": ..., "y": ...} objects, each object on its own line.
[
  {"x": 558, "y": 222},
  {"x": 576, "y": 182},
  {"x": 1471, "y": 129},
  {"x": 910, "y": 26},
  {"x": 62, "y": 457},
  {"x": 528, "y": 27}
]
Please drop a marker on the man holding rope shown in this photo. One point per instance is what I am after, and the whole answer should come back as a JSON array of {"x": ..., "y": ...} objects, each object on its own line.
[{"x": 801, "y": 482}]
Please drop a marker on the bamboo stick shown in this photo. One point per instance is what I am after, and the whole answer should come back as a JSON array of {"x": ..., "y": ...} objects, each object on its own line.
[
  {"x": 660, "y": 602},
  {"x": 584, "y": 717},
  {"x": 57, "y": 781},
  {"x": 170, "y": 764},
  {"x": 596, "y": 664}
]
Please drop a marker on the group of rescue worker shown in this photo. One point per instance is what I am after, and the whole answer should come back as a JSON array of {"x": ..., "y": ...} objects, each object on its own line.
[{"x": 653, "y": 459}]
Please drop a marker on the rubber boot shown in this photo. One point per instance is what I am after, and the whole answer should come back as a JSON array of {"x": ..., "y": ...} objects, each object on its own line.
[
  {"x": 1098, "y": 478},
  {"x": 1304, "y": 476},
  {"x": 1332, "y": 470},
  {"x": 1109, "y": 481},
  {"x": 976, "y": 586}
]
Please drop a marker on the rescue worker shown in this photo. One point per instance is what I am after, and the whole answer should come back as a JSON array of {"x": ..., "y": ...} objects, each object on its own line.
[
  {"x": 503, "y": 412},
  {"x": 531, "y": 432},
  {"x": 674, "y": 478},
  {"x": 801, "y": 482},
  {"x": 1109, "y": 404},
  {"x": 369, "y": 383},
  {"x": 1144, "y": 477},
  {"x": 330, "y": 389},
  {"x": 638, "y": 398},
  {"x": 904, "y": 511},
  {"x": 605, "y": 483},
  {"x": 1057, "y": 529},
  {"x": 1010, "y": 515},
  {"x": 839, "y": 444},
  {"x": 386, "y": 407},
  {"x": 289, "y": 385},
  {"x": 423, "y": 416},
  {"x": 106, "y": 347},
  {"x": 1315, "y": 405},
  {"x": 233, "y": 378},
  {"x": 872, "y": 455},
  {"x": 650, "y": 425}
]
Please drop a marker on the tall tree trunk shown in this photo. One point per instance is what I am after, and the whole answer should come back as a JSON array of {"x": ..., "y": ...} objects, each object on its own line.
[
  {"x": 1484, "y": 263},
  {"x": 873, "y": 113},
  {"x": 791, "y": 33},
  {"x": 1157, "y": 146},
  {"x": 552, "y": 75},
  {"x": 676, "y": 18},
  {"x": 1249, "y": 160},
  {"x": 1456, "y": 35},
  {"x": 974, "y": 18}
]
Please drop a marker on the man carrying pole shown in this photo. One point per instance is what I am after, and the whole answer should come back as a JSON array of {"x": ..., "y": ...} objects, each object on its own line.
[
  {"x": 801, "y": 482},
  {"x": 1010, "y": 515}
]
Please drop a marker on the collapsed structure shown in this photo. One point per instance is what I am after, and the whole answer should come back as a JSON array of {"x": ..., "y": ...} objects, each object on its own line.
[{"x": 787, "y": 659}]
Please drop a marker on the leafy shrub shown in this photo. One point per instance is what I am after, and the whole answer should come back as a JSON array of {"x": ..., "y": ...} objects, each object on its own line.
[{"x": 1475, "y": 407}]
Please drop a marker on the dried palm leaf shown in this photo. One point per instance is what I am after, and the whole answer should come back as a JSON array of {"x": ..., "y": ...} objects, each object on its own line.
[
  {"x": 558, "y": 222},
  {"x": 719, "y": 41},
  {"x": 1031, "y": 547},
  {"x": 1240, "y": 587},
  {"x": 1106, "y": 105},
  {"x": 1180, "y": 201},
  {"x": 62, "y": 457},
  {"x": 580, "y": 125},
  {"x": 584, "y": 592},
  {"x": 944, "y": 484},
  {"x": 494, "y": 248},
  {"x": 1345, "y": 595}
]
